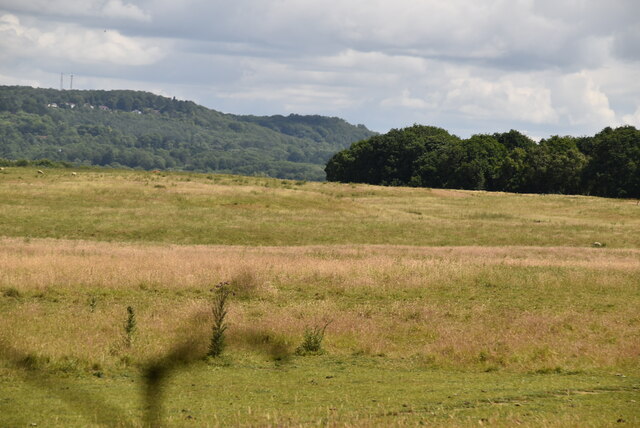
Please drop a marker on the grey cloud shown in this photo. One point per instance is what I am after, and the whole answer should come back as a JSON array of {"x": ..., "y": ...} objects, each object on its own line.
[
  {"x": 627, "y": 43},
  {"x": 88, "y": 11},
  {"x": 460, "y": 64},
  {"x": 514, "y": 33}
]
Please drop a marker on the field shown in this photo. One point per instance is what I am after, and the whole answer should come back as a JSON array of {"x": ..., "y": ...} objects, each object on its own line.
[{"x": 442, "y": 307}]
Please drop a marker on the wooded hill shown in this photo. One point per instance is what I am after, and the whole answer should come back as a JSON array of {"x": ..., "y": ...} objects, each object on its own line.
[{"x": 142, "y": 130}]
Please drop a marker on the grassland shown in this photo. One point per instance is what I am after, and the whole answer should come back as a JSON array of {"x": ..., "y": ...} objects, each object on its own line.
[
  {"x": 229, "y": 210},
  {"x": 447, "y": 308}
]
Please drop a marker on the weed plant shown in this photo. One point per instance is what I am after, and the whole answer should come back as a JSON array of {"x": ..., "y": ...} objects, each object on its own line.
[
  {"x": 219, "y": 312},
  {"x": 130, "y": 327}
]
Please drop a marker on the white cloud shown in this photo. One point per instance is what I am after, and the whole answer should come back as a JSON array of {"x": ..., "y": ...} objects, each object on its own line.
[
  {"x": 632, "y": 119},
  {"x": 482, "y": 98},
  {"x": 72, "y": 43},
  {"x": 406, "y": 100},
  {"x": 580, "y": 101}
]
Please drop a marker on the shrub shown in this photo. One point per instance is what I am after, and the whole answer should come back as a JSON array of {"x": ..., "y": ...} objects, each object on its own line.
[{"x": 312, "y": 341}]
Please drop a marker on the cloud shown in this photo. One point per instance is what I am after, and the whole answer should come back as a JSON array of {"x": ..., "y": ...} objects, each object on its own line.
[
  {"x": 482, "y": 98},
  {"x": 580, "y": 101},
  {"x": 78, "y": 8},
  {"x": 514, "y": 32},
  {"x": 627, "y": 42},
  {"x": 632, "y": 119},
  {"x": 405, "y": 99},
  {"x": 117, "y": 9},
  {"x": 548, "y": 66},
  {"x": 72, "y": 43},
  {"x": 10, "y": 80}
]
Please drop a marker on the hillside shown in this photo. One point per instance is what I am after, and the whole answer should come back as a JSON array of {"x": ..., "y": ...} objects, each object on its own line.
[{"x": 142, "y": 130}]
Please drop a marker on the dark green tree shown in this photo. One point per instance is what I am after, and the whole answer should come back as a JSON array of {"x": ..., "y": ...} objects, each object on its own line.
[
  {"x": 558, "y": 166},
  {"x": 614, "y": 165}
]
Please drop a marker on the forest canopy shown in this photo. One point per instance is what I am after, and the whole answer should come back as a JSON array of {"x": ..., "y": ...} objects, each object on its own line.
[{"x": 606, "y": 164}]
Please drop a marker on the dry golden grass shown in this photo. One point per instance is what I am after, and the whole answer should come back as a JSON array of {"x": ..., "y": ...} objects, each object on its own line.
[{"x": 524, "y": 308}]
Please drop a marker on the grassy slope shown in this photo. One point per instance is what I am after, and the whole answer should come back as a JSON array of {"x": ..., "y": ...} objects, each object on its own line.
[
  {"x": 523, "y": 324},
  {"x": 214, "y": 209}
]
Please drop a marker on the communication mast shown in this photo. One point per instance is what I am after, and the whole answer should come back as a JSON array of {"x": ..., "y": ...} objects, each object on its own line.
[
  {"x": 71, "y": 82},
  {"x": 61, "y": 87}
]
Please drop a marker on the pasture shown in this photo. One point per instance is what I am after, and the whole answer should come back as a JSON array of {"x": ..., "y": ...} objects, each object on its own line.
[{"x": 444, "y": 307}]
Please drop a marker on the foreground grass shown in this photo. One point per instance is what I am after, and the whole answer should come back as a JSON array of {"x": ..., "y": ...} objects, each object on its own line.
[
  {"x": 321, "y": 391},
  {"x": 210, "y": 209},
  {"x": 446, "y": 307}
]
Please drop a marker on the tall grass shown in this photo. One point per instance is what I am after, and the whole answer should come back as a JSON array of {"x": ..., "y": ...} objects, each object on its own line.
[{"x": 517, "y": 307}]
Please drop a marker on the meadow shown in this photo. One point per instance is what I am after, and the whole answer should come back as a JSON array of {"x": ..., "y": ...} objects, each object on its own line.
[{"x": 443, "y": 307}]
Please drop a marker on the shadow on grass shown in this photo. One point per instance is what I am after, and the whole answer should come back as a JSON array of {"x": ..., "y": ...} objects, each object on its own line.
[
  {"x": 155, "y": 374},
  {"x": 73, "y": 396}
]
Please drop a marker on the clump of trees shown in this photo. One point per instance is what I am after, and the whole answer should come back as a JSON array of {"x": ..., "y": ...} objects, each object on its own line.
[{"x": 607, "y": 164}]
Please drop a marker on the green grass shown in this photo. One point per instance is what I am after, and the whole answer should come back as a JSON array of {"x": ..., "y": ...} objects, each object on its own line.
[
  {"x": 320, "y": 391},
  {"x": 227, "y": 210},
  {"x": 447, "y": 308}
]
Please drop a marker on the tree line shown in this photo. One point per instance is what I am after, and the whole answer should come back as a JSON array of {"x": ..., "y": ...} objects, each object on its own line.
[{"x": 606, "y": 164}]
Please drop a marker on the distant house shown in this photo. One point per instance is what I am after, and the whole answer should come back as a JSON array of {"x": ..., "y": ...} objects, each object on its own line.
[
  {"x": 104, "y": 108},
  {"x": 52, "y": 105},
  {"x": 136, "y": 112}
]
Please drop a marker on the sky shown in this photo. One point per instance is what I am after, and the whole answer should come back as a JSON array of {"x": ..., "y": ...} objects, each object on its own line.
[{"x": 543, "y": 67}]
